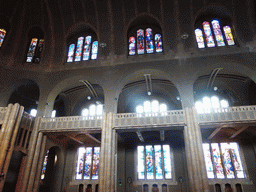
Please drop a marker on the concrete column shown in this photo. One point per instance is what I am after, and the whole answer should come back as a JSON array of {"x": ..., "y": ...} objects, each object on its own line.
[
  {"x": 11, "y": 146},
  {"x": 7, "y": 133},
  {"x": 31, "y": 150},
  {"x": 107, "y": 159},
  {"x": 4, "y": 125},
  {"x": 40, "y": 164},
  {"x": 35, "y": 162}
]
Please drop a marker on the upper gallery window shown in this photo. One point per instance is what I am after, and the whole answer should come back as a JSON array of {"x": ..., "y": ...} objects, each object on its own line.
[
  {"x": 145, "y": 41},
  {"x": 151, "y": 106},
  {"x": 222, "y": 160},
  {"x": 85, "y": 48},
  {"x": 35, "y": 50},
  {"x": 213, "y": 34},
  {"x": 211, "y": 103},
  {"x": 154, "y": 162},
  {"x": 93, "y": 110},
  {"x": 87, "y": 166},
  {"x": 2, "y": 35}
]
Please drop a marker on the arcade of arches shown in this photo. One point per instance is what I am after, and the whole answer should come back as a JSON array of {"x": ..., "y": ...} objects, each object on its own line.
[{"x": 142, "y": 96}]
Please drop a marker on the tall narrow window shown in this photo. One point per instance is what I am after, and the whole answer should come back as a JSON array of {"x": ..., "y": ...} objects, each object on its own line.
[
  {"x": 35, "y": 50},
  {"x": 140, "y": 41},
  {"x": 218, "y": 33},
  {"x": 158, "y": 43},
  {"x": 79, "y": 46},
  {"x": 44, "y": 166},
  {"x": 199, "y": 38},
  {"x": 87, "y": 48},
  {"x": 149, "y": 41},
  {"x": 154, "y": 162},
  {"x": 228, "y": 35},
  {"x": 32, "y": 49},
  {"x": 208, "y": 34},
  {"x": 132, "y": 45},
  {"x": 71, "y": 51},
  {"x": 226, "y": 161},
  {"x": 2, "y": 35},
  {"x": 87, "y": 166},
  {"x": 94, "y": 50},
  {"x": 151, "y": 106}
]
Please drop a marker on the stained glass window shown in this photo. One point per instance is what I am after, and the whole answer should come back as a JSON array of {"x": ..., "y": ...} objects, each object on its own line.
[
  {"x": 199, "y": 38},
  {"x": 88, "y": 163},
  {"x": 149, "y": 41},
  {"x": 44, "y": 166},
  {"x": 140, "y": 41},
  {"x": 31, "y": 50},
  {"x": 87, "y": 48},
  {"x": 228, "y": 35},
  {"x": 2, "y": 35},
  {"x": 71, "y": 51},
  {"x": 212, "y": 32},
  {"x": 208, "y": 34},
  {"x": 158, "y": 43},
  {"x": 154, "y": 162},
  {"x": 84, "y": 49},
  {"x": 132, "y": 45},
  {"x": 218, "y": 33},
  {"x": 226, "y": 161}
]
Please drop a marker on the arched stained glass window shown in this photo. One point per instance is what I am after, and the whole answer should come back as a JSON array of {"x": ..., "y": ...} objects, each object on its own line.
[
  {"x": 212, "y": 32},
  {"x": 218, "y": 33},
  {"x": 158, "y": 43},
  {"x": 199, "y": 38},
  {"x": 71, "y": 51},
  {"x": 32, "y": 49},
  {"x": 145, "y": 41},
  {"x": 2, "y": 35},
  {"x": 132, "y": 45},
  {"x": 228, "y": 35},
  {"x": 85, "y": 48},
  {"x": 35, "y": 50},
  {"x": 208, "y": 34},
  {"x": 140, "y": 41},
  {"x": 149, "y": 41},
  {"x": 44, "y": 166}
]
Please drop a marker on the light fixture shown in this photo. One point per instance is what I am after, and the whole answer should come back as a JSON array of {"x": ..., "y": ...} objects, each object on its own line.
[
  {"x": 178, "y": 98},
  {"x": 149, "y": 93},
  {"x": 89, "y": 97},
  {"x": 215, "y": 88},
  {"x": 184, "y": 36},
  {"x": 148, "y": 83},
  {"x": 102, "y": 45}
]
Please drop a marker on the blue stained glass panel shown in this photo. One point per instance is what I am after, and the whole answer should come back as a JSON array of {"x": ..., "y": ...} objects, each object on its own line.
[
  {"x": 149, "y": 41},
  {"x": 87, "y": 48},
  {"x": 158, "y": 43},
  {"x": 218, "y": 33},
  {"x": 140, "y": 41},
  {"x": 237, "y": 160},
  {"x": 31, "y": 50},
  {"x": 2, "y": 35},
  {"x": 227, "y": 160},
  {"x": 158, "y": 162},
  {"x": 149, "y": 162},
  {"x": 88, "y": 163},
  {"x": 96, "y": 163},
  {"x": 141, "y": 160},
  {"x": 132, "y": 46},
  {"x": 167, "y": 162},
  {"x": 208, "y": 34},
  {"x": 71, "y": 51},
  {"x": 94, "y": 50},
  {"x": 79, "y": 48},
  {"x": 208, "y": 160}
]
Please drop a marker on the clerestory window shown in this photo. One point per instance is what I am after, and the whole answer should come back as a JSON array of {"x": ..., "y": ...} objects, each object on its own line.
[
  {"x": 84, "y": 48},
  {"x": 211, "y": 103},
  {"x": 214, "y": 33},
  {"x": 2, "y": 35}
]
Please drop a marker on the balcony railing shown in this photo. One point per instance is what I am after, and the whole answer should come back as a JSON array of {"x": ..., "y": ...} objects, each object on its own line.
[
  {"x": 170, "y": 118},
  {"x": 230, "y": 114},
  {"x": 73, "y": 122}
]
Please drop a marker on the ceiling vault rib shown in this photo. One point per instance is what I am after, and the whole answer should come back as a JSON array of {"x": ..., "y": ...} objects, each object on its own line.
[
  {"x": 215, "y": 132},
  {"x": 93, "y": 138}
]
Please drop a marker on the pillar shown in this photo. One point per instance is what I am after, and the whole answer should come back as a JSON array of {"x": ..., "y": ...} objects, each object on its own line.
[{"x": 107, "y": 158}]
